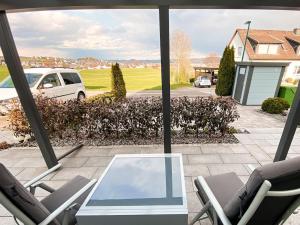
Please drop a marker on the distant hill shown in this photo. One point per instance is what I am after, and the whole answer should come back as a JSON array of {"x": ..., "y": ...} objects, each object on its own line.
[{"x": 211, "y": 60}]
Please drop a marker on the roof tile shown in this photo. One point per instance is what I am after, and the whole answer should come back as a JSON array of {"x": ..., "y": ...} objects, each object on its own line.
[{"x": 286, "y": 52}]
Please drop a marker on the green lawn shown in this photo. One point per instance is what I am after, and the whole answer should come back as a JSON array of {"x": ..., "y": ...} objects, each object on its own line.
[
  {"x": 135, "y": 79},
  {"x": 3, "y": 72}
]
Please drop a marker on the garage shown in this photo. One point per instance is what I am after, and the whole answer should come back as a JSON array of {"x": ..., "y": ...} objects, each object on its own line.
[{"x": 254, "y": 82}]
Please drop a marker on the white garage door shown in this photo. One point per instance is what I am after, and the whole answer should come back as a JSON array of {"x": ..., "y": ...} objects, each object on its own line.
[{"x": 263, "y": 84}]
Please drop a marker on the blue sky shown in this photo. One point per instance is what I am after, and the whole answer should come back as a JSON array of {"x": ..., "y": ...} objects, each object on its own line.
[{"x": 127, "y": 34}]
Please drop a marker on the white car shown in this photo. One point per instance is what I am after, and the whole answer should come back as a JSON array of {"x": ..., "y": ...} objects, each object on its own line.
[
  {"x": 202, "y": 82},
  {"x": 60, "y": 83}
]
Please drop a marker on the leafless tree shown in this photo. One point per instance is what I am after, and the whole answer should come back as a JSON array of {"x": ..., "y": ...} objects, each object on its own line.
[{"x": 181, "y": 57}]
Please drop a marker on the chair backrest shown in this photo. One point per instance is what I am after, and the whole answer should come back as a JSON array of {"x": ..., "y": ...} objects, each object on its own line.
[
  {"x": 21, "y": 198},
  {"x": 283, "y": 176},
  {"x": 17, "y": 213}
]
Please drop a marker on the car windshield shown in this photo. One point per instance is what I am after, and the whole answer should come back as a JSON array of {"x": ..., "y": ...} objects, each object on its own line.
[
  {"x": 32, "y": 78},
  {"x": 204, "y": 78}
]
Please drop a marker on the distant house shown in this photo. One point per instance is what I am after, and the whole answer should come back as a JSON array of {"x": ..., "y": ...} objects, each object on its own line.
[
  {"x": 270, "y": 46},
  {"x": 208, "y": 66}
]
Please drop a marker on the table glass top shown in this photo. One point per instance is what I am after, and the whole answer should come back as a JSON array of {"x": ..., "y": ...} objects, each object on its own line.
[{"x": 137, "y": 181}]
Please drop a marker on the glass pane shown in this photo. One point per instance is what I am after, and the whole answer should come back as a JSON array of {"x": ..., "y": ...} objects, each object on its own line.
[
  {"x": 140, "y": 181},
  {"x": 68, "y": 78},
  {"x": 32, "y": 78},
  {"x": 51, "y": 79}
]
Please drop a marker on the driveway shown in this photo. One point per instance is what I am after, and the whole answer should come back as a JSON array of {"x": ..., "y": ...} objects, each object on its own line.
[
  {"x": 254, "y": 117},
  {"x": 186, "y": 91}
]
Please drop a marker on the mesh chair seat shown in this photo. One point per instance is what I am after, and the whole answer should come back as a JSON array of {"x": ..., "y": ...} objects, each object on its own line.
[
  {"x": 38, "y": 211},
  {"x": 57, "y": 198}
]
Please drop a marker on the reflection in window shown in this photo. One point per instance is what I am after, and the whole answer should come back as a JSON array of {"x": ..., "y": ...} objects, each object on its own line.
[
  {"x": 268, "y": 48},
  {"x": 239, "y": 53},
  {"x": 32, "y": 78},
  {"x": 51, "y": 79}
]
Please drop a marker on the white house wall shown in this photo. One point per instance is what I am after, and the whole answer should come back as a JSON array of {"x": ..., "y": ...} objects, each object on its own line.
[
  {"x": 236, "y": 43},
  {"x": 290, "y": 70}
]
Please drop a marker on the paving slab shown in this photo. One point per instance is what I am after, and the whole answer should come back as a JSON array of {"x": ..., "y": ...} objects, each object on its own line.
[
  {"x": 189, "y": 184},
  {"x": 216, "y": 169},
  {"x": 238, "y": 158},
  {"x": 69, "y": 173},
  {"x": 256, "y": 148},
  {"x": 97, "y": 161},
  {"x": 204, "y": 159},
  {"x": 74, "y": 162},
  {"x": 258, "y": 153},
  {"x": 28, "y": 173},
  {"x": 196, "y": 170},
  {"x": 215, "y": 149}
]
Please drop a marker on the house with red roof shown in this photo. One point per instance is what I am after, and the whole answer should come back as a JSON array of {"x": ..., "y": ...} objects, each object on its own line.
[{"x": 270, "y": 46}]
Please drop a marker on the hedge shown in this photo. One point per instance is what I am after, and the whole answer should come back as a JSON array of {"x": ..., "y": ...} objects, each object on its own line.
[{"x": 140, "y": 117}]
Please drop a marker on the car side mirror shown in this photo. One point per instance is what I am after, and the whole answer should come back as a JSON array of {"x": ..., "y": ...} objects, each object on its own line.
[{"x": 48, "y": 85}]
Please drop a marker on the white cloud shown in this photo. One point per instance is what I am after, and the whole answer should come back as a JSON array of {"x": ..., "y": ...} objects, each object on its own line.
[
  {"x": 134, "y": 33},
  {"x": 211, "y": 30},
  {"x": 59, "y": 33}
]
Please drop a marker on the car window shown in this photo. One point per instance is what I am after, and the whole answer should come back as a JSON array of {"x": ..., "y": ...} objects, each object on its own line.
[
  {"x": 31, "y": 78},
  {"x": 76, "y": 78},
  {"x": 70, "y": 78},
  {"x": 50, "y": 79}
]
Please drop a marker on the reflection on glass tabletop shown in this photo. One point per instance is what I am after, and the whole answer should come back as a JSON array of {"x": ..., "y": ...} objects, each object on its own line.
[{"x": 137, "y": 181}]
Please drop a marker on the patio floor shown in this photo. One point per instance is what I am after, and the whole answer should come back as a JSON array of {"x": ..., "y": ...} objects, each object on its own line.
[{"x": 256, "y": 148}]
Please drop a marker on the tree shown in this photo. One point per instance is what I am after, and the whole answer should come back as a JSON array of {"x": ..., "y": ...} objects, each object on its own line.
[
  {"x": 180, "y": 54},
  {"x": 226, "y": 73},
  {"x": 118, "y": 88}
]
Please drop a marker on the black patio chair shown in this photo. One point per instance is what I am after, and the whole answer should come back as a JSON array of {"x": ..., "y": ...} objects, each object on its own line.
[
  {"x": 269, "y": 197},
  {"x": 58, "y": 208}
]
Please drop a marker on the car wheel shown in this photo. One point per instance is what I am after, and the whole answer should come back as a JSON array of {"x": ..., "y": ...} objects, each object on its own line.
[{"x": 81, "y": 96}]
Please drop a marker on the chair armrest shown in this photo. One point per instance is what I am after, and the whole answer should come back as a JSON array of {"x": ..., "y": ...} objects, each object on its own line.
[
  {"x": 213, "y": 201},
  {"x": 69, "y": 202},
  {"x": 41, "y": 176},
  {"x": 250, "y": 167},
  {"x": 41, "y": 185}
]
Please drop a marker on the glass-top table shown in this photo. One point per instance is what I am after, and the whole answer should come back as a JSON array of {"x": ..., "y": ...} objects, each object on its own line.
[{"x": 138, "y": 188}]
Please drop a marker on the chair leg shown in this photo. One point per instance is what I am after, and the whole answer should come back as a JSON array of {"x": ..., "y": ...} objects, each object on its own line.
[
  {"x": 203, "y": 211},
  {"x": 215, "y": 218}
]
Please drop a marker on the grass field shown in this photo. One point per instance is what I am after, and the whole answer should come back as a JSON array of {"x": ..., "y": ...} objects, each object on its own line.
[
  {"x": 3, "y": 72},
  {"x": 135, "y": 79}
]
